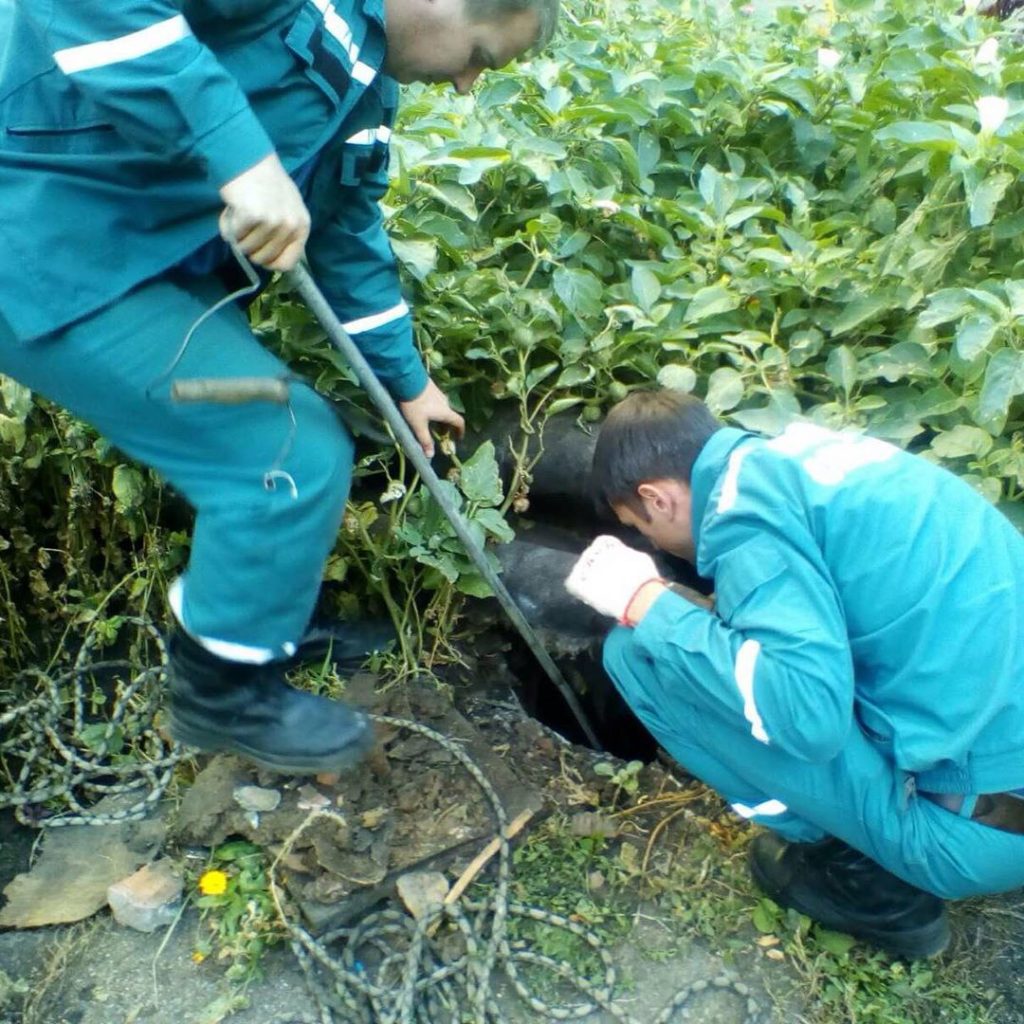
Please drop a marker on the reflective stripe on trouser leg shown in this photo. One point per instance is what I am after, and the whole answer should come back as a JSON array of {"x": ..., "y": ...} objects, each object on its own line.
[
  {"x": 858, "y": 796},
  {"x": 257, "y": 555},
  {"x": 634, "y": 679}
]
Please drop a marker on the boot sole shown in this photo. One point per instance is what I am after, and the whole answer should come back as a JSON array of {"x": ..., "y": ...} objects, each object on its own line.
[
  {"x": 928, "y": 941},
  {"x": 216, "y": 743}
]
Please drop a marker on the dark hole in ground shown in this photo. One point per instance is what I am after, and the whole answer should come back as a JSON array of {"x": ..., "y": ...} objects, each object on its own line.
[
  {"x": 535, "y": 566},
  {"x": 620, "y": 732},
  {"x": 15, "y": 847}
]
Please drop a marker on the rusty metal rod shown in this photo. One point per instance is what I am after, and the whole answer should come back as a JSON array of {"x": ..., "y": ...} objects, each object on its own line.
[{"x": 310, "y": 293}]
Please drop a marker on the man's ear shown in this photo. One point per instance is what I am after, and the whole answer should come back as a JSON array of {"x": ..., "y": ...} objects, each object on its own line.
[
  {"x": 664, "y": 497},
  {"x": 654, "y": 496}
]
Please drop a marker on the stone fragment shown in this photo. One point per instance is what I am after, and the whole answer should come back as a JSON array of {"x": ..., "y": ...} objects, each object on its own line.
[
  {"x": 590, "y": 823},
  {"x": 422, "y": 891},
  {"x": 255, "y": 798},
  {"x": 148, "y": 899},
  {"x": 311, "y": 799},
  {"x": 69, "y": 880}
]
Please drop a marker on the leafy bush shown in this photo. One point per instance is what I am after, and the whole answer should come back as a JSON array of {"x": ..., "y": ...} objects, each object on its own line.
[{"x": 790, "y": 211}]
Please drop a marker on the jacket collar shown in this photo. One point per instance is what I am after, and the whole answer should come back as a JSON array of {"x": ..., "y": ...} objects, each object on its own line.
[
  {"x": 707, "y": 470},
  {"x": 374, "y": 9}
]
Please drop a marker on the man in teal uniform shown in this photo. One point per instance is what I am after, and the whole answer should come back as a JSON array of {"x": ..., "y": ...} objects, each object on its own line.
[
  {"x": 133, "y": 134},
  {"x": 858, "y": 685}
]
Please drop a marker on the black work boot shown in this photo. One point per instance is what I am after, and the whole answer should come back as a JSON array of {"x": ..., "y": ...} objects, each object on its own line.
[
  {"x": 346, "y": 645},
  {"x": 845, "y": 891},
  {"x": 250, "y": 710}
]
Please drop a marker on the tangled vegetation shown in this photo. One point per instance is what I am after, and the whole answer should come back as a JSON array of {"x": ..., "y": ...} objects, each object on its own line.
[{"x": 789, "y": 209}]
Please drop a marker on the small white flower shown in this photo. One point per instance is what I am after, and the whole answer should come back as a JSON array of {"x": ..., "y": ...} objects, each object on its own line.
[
  {"x": 988, "y": 52},
  {"x": 395, "y": 490},
  {"x": 828, "y": 59},
  {"x": 992, "y": 112},
  {"x": 606, "y": 206}
]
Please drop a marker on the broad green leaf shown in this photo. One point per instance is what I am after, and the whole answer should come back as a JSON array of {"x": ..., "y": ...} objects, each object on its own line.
[
  {"x": 16, "y": 397},
  {"x": 716, "y": 190},
  {"x": 962, "y": 440},
  {"x": 574, "y": 375},
  {"x": 562, "y": 404},
  {"x": 479, "y": 480},
  {"x": 773, "y": 418},
  {"x": 128, "y": 486},
  {"x": 858, "y": 312},
  {"x": 646, "y": 287},
  {"x": 899, "y": 361},
  {"x": 835, "y": 943},
  {"x": 882, "y": 215},
  {"x": 986, "y": 197},
  {"x": 725, "y": 390},
  {"x": 945, "y": 305},
  {"x": 12, "y": 432},
  {"x": 841, "y": 367},
  {"x": 473, "y": 584},
  {"x": 419, "y": 255},
  {"x": 973, "y": 335},
  {"x": 579, "y": 290},
  {"x": 710, "y": 301},
  {"x": 678, "y": 378},
  {"x": 539, "y": 373},
  {"x": 494, "y": 523},
  {"x": 765, "y": 916},
  {"x": 1015, "y": 294},
  {"x": 457, "y": 197},
  {"x": 927, "y": 134},
  {"x": 1004, "y": 380}
]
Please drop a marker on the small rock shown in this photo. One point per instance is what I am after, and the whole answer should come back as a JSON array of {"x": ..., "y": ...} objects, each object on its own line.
[
  {"x": 328, "y": 778},
  {"x": 255, "y": 798},
  {"x": 422, "y": 891},
  {"x": 311, "y": 799},
  {"x": 372, "y": 818},
  {"x": 147, "y": 900},
  {"x": 590, "y": 823}
]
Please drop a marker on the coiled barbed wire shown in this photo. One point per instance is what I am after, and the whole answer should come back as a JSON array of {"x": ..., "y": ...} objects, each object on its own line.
[
  {"x": 390, "y": 969},
  {"x": 62, "y": 770}
]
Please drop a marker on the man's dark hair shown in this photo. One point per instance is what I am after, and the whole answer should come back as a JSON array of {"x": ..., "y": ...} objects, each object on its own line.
[
  {"x": 493, "y": 10},
  {"x": 651, "y": 435}
]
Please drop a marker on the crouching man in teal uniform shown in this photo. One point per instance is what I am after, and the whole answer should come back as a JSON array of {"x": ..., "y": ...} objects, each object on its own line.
[
  {"x": 858, "y": 687},
  {"x": 132, "y": 136}
]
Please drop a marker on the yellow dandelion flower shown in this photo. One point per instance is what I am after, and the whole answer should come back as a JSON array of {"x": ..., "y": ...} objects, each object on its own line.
[
  {"x": 198, "y": 956},
  {"x": 213, "y": 882}
]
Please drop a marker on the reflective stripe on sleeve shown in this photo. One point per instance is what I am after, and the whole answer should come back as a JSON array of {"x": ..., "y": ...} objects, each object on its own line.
[
  {"x": 746, "y": 661},
  {"x": 731, "y": 484},
  {"x": 338, "y": 27},
  {"x": 368, "y": 136},
  {"x": 363, "y": 73},
  {"x": 114, "y": 51},
  {"x": 767, "y": 807},
  {"x": 368, "y": 323}
]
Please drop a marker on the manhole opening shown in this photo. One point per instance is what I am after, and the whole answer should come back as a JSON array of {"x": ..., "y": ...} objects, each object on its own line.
[{"x": 619, "y": 731}]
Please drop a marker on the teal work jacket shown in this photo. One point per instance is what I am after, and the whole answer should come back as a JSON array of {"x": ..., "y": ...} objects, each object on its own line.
[
  {"x": 119, "y": 123},
  {"x": 857, "y": 587}
]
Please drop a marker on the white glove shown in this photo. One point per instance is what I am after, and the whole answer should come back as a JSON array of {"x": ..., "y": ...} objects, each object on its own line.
[
  {"x": 609, "y": 574},
  {"x": 265, "y": 215}
]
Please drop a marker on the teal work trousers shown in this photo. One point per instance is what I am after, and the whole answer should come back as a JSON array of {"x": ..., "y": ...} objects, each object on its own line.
[
  {"x": 259, "y": 544},
  {"x": 859, "y": 796}
]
